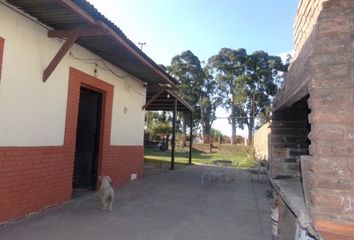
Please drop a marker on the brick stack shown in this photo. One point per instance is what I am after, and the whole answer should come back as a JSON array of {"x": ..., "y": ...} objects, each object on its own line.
[
  {"x": 323, "y": 69},
  {"x": 331, "y": 176}
]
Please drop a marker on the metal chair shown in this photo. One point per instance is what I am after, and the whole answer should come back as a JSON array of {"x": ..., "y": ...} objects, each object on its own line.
[{"x": 211, "y": 173}]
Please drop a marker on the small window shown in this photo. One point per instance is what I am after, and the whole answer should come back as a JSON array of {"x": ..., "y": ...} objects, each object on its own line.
[{"x": 2, "y": 42}]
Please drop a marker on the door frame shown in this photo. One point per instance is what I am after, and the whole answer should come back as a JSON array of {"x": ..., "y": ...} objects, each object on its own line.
[
  {"x": 78, "y": 79},
  {"x": 96, "y": 151},
  {"x": 100, "y": 137}
]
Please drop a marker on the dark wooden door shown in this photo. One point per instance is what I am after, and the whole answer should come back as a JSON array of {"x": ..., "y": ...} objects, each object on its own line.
[{"x": 87, "y": 140}]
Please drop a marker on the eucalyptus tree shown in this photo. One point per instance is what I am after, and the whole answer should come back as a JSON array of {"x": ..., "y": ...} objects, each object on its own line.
[
  {"x": 249, "y": 84},
  {"x": 197, "y": 88},
  {"x": 229, "y": 65},
  {"x": 262, "y": 72},
  {"x": 209, "y": 100}
]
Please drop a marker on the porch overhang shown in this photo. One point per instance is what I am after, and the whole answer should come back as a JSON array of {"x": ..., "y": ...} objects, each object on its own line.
[
  {"x": 77, "y": 21},
  {"x": 165, "y": 98},
  {"x": 161, "y": 98},
  {"x": 80, "y": 22}
]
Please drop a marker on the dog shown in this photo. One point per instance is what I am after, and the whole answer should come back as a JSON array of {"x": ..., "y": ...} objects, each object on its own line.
[{"x": 106, "y": 193}]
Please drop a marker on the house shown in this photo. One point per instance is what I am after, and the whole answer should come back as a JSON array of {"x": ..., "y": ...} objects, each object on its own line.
[
  {"x": 73, "y": 94},
  {"x": 312, "y": 153}
]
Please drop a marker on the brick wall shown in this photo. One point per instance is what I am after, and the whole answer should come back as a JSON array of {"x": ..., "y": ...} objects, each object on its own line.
[
  {"x": 331, "y": 172},
  {"x": 305, "y": 22},
  {"x": 2, "y": 43},
  {"x": 32, "y": 178},
  {"x": 121, "y": 161},
  {"x": 289, "y": 140},
  {"x": 323, "y": 69},
  {"x": 261, "y": 140},
  {"x": 295, "y": 87}
]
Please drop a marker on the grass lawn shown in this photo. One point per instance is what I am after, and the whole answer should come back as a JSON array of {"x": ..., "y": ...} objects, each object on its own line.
[{"x": 239, "y": 159}]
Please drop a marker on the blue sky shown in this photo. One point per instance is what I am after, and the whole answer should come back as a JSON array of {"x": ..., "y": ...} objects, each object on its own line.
[
  {"x": 203, "y": 26},
  {"x": 170, "y": 27}
]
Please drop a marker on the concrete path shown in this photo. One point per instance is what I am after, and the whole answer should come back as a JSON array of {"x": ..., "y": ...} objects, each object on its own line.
[{"x": 170, "y": 206}]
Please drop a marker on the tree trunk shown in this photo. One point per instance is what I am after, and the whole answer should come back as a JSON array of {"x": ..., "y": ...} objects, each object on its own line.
[
  {"x": 250, "y": 127},
  {"x": 206, "y": 139},
  {"x": 206, "y": 133},
  {"x": 250, "y": 140},
  {"x": 233, "y": 136},
  {"x": 203, "y": 123},
  {"x": 167, "y": 140},
  {"x": 251, "y": 123},
  {"x": 233, "y": 126}
]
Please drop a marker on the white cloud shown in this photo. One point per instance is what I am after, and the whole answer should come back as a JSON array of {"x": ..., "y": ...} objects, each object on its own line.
[{"x": 283, "y": 55}]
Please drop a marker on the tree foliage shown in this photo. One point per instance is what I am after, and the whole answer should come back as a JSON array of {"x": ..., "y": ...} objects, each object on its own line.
[
  {"x": 158, "y": 123},
  {"x": 242, "y": 83},
  {"x": 197, "y": 88},
  {"x": 228, "y": 65},
  {"x": 247, "y": 83}
]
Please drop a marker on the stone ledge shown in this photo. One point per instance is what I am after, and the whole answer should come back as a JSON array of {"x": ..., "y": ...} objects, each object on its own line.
[{"x": 291, "y": 192}]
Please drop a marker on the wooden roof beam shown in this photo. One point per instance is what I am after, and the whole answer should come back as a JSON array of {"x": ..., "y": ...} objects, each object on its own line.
[
  {"x": 181, "y": 100},
  {"x": 153, "y": 98},
  {"x": 161, "y": 103},
  {"x": 59, "y": 56},
  {"x": 72, "y": 35},
  {"x": 91, "y": 21}
]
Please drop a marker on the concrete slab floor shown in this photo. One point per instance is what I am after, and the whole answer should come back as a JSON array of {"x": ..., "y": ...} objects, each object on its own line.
[{"x": 173, "y": 205}]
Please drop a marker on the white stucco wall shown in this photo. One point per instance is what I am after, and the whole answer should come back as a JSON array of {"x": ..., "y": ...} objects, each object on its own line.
[
  {"x": 261, "y": 139},
  {"x": 33, "y": 113}
]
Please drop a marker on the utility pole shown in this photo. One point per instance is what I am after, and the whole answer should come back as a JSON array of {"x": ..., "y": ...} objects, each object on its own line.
[{"x": 141, "y": 45}]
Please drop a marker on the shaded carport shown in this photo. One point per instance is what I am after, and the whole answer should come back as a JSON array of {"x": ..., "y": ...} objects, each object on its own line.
[{"x": 164, "y": 97}]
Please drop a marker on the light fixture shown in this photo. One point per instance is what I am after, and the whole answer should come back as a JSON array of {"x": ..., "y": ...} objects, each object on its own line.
[
  {"x": 168, "y": 96},
  {"x": 95, "y": 70}
]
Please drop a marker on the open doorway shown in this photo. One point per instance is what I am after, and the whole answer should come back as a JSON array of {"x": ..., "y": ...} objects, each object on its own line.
[{"x": 87, "y": 141}]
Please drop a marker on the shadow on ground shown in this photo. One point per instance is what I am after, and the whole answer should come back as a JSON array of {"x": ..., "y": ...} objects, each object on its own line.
[{"x": 169, "y": 205}]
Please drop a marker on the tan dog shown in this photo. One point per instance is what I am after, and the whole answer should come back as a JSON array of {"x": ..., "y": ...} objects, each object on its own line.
[{"x": 106, "y": 193}]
